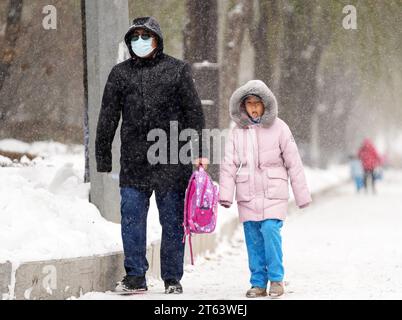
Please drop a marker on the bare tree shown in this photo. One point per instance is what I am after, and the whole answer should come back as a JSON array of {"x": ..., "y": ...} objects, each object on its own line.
[
  {"x": 266, "y": 35},
  {"x": 237, "y": 23},
  {"x": 42, "y": 96},
  {"x": 306, "y": 34},
  {"x": 12, "y": 32},
  {"x": 200, "y": 33},
  {"x": 200, "y": 46},
  {"x": 339, "y": 89}
]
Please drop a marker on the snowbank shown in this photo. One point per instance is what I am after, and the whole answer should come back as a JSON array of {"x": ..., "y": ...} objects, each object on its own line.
[
  {"x": 44, "y": 207},
  {"x": 5, "y": 162},
  {"x": 41, "y": 148},
  {"x": 320, "y": 179}
]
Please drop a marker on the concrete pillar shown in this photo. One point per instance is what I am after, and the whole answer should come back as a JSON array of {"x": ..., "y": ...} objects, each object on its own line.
[
  {"x": 5, "y": 278},
  {"x": 106, "y": 24}
]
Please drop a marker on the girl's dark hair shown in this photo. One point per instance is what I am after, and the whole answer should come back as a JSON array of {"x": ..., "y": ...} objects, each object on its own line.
[{"x": 243, "y": 100}]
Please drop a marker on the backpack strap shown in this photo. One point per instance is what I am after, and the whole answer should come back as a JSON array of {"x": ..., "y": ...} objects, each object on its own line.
[
  {"x": 191, "y": 250},
  {"x": 204, "y": 189},
  {"x": 188, "y": 234},
  {"x": 186, "y": 222}
]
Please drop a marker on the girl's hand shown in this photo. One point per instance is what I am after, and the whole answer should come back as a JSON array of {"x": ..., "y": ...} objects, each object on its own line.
[
  {"x": 304, "y": 205},
  {"x": 225, "y": 204}
]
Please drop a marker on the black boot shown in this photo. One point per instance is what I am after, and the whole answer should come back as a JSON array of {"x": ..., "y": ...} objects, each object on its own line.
[
  {"x": 132, "y": 284},
  {"x": 173, "y": 286}
]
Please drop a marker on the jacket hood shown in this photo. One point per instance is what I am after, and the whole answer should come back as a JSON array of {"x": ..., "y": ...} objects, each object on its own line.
[
  {"x": 257, "y": 88},
  {"x": 368, "y": 143},
  {"x": 147, "y": 23}
]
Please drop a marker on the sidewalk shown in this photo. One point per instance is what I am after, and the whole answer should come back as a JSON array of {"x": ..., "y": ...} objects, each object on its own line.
[{"x": 345, "y": 246}]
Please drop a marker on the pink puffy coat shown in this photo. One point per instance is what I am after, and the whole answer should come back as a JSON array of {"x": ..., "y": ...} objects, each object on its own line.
[{"x": 259, "y": 159}]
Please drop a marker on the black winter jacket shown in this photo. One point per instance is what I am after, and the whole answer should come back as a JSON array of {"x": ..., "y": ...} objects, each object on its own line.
[{"x": 147, "y": 94}]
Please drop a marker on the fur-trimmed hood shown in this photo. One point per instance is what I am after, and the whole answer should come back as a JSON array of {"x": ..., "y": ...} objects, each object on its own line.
[{"x": 260, "y": 89}]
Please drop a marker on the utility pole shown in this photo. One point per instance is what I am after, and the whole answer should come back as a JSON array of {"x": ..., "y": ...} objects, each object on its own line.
[{"x": 105, "y": 23}]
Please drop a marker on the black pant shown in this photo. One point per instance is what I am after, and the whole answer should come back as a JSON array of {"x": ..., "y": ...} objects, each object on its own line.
[{"x": 368, "y": 173}]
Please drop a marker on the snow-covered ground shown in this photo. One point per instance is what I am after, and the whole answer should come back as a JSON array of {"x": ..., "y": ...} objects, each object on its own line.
[
  {"x": 45, "y": 212},
  {"x": 345, "y": 246},
  {"x": 44, "y": 207}
]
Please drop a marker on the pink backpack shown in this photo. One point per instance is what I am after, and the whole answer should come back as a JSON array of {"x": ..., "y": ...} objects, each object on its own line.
[{"x": 200, "y": 206}]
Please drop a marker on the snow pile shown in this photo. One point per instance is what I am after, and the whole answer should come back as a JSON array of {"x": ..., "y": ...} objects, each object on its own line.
[
  {"x": 320, "y": 179},
  {"x": 40, "y": 148},
  {"x": 44, "y": 207},
  {"x": 5, "y": 162}
]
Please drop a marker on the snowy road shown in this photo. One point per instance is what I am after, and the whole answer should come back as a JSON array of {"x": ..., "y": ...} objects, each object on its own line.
[{"x": 345, "y": 246}]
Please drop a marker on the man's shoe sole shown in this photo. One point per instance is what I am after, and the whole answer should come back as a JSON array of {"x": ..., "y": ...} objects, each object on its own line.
[
  {"x": 122, "y": 290},
  {"x": 173, "y": 290},
  {"x": 130, "y": 292}
]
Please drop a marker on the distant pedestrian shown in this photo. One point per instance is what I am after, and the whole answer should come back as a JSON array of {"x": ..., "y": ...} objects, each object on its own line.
[
  {"x": 356, "y": 171},
  {"x": 371, "y": 160}
]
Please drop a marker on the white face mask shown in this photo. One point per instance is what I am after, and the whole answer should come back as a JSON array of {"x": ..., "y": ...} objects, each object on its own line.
[{"x": 142, "y": 48}]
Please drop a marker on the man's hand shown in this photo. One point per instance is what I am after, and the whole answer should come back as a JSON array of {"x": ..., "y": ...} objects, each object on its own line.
[{"x": 201, "y": 161}]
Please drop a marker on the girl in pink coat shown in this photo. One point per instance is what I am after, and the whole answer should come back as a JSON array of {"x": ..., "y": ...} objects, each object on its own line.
[{"x": 260, "y": 155}]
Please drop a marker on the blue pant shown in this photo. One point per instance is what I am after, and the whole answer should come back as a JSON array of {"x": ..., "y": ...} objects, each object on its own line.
[
  {"x": 359, "y": 182},
  {"x": 134, "y": 211},
  {"x": 264, "y": 248}
]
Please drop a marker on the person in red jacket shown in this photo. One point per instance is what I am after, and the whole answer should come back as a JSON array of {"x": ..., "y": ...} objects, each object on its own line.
[{"x": 370, "y": 159}]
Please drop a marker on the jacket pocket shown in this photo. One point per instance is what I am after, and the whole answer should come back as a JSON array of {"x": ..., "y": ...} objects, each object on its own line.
[
  {"x": 276, "y": 183},
  {"x": 242, "y": 188}
]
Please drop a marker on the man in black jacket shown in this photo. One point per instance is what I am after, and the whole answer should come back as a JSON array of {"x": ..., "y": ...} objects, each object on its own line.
[{"x": 149, "y": 91}]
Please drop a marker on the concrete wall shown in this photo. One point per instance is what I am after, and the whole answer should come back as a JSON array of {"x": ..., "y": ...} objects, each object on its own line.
[
  {"x": 62, "y": 279},
  {"x": 5, "y": 277}
]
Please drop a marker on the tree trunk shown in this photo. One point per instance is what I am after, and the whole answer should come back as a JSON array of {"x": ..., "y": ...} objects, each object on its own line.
[
  {"x": 303, "y": 46},
  {"x": 87, "y": 177},
  {"x": 200, "y": 32},
  {"x": 238, "y": 19},
  {"x": 7, "y": 55},
  {"x": 339, "y": 91},
  {"x": 290, "y": 66},
  {"x": 200, "y": 46},
  {"x": 266, "y": 38}
]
